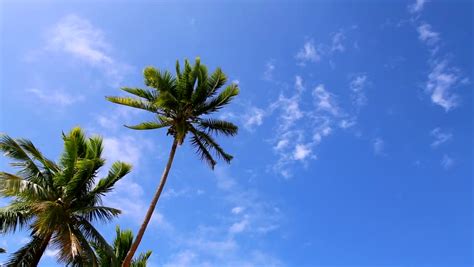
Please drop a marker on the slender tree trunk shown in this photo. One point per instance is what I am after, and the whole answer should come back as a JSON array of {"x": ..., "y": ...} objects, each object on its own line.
[
  {"x": 128, "y": 259},
  {"x": 38, "y": 253}
]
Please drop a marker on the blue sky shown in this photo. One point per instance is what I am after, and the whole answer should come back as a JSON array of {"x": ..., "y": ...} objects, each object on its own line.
[{"x": 355, "y": 142}]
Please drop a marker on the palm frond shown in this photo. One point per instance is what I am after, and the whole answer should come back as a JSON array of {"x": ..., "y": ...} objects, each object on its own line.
[
  {"x": 97, "y": 213},
  {"x": 218, "y": 127},
  {"x": 82, "y": 180},
  {"x": 122, "y": 243},
  {"x": 12, "y": 185},
  {"x": 202, "y": 151},
  {"x": 75, "y": 147},
  {"x": 48, "y": 165},
  {"x": 14, "y": 216},
  {"x": 210, "y": 143},
  {"x": 162, "y": 81},
  {"x": 133, "y": 102},
  {"x": 27, "y": 254},
  {"x": 69, "y": 245},
  {"x": 150, "y": 125},
  {"x": 48, "y": 216},
  {"x": 117, "y": 171},
  {"x": 215, "y": 81},
  {"x": 12, "y": 149},
  {"x": 94, "y": 148},
  {"x": 143, "y": 93},
  {"x": 201, "y": 92},
  {"x": 219, "y": 101},
  {"x": 94, "y": 237},
  {"x": 142, "y": 259}
]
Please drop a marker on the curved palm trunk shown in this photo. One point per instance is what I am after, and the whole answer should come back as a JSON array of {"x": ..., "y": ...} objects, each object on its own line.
[
  {"x": 128, "y": 259},
  {"x": 39, "y": 253}
]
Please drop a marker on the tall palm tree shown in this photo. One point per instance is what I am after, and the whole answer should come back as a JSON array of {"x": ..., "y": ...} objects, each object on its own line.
[
  {"x": 2, "y": 250},
  {"x": 121, "y": 245},
  {"x": 57, "y": 202},
  {"x": 182, "y": 104}
]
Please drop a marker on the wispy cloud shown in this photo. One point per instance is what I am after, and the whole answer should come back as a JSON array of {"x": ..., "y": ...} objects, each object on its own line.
[
  {"x": 78, "y": 37},
  {"x": 253, "y": 118},
  {"x": 440, "y": 137},
  {"x": 447, "y": 162},
  {"x": 299, "y": 130},
  {"x": 358, "y": 85},
  {"x": 237, "y": 209},
  {"x": 220, "y": 244},
  {"x": 441, "y": 81},
  {"x": 337, "y": 42},
  {"x": 269, "y": 69},
  {"x": 442, "y": 78},
  {"x": 427, "y": 35},
  {"x": 301, "y": 152},
  {"x": 417, "y": 6},
  {"x": 55, "y": 98},
  {"x": 324, "y": 101},
  {"x": 308, "y": 53},
  {"x": 379, "y": 146}
]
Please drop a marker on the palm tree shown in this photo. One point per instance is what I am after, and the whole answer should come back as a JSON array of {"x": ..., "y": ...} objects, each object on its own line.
[
  {"x": 121, "y": 245},
  {"x": 182, "y": 104},
  {"x": 57, "y": 202},
  {"x": 2, "y": 250}
]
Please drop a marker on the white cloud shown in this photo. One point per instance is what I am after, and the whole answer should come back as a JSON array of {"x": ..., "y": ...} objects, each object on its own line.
[
  {"x": 345, "y": 124},
  {"x": 184, "y": 258},
  {"x": 357, "y": 86},
  {"x": 253, "y": 117},
  {"x": 301, "y": 152},
  {"x": 238, "y": 227},
  {"x": 308, "y": 53},
  {"x": 324, "y": 100},
  {"x": 220, "y": 244},
  {"x": 124, "y": 148},
  {"x": 282, "y": 144},
  {"x": 447, "y": 162},
  {"x": 57, "y": 98},
  {"x": 80, "y": 38},
  {"x": 237, "y": 209},
  {"x": 440, "y": 137},
  {"x": 77, "y": 37},
  {"x": 337, "y": 40},
  {"x": 51, "y": 253},
  {"x": 223, "y": 179},
  {"x": 299, "y": 130},
  {"x": 417, "y": 6},
  {"x": 379, "y": 146},
  {"x": 441, "y": 81},
  {"x": 427, "y": 35},
  {"x": 269, "y": 69},
  {"x": 115, "y": 119},
  {"x": 299, "y": 83}
]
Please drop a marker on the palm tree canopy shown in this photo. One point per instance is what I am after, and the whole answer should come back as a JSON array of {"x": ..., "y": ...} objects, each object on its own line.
[
  {"x": 183, "y": 103},
  {"x": 121, "y": 245},
  {"x": 58, "y": 202}
]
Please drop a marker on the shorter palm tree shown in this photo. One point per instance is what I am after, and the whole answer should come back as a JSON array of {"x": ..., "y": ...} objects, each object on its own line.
[
  {"x": 57, "y": 202},
  {"x": 121, "y": 245}
]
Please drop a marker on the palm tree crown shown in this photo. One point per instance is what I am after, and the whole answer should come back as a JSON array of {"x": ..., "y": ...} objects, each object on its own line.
[
  {"x": 121, "y": 245},
  {"x": 182, "y": 105},
  {"x": 57, "y": 202}
]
